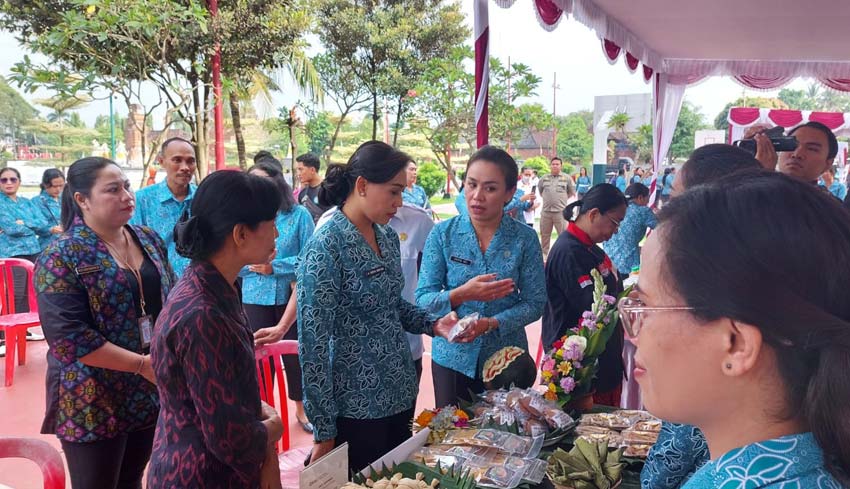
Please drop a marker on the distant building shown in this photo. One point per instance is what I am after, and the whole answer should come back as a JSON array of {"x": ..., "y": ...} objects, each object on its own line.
[
  {"x": 708, "y": 136},
  {"x": 533, "y": 143},
  {"x": 638, "y": 106}
]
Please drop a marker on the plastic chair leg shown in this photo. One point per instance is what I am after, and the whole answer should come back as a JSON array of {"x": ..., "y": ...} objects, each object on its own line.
[
  {"x": 22, "y": 346},
  {"x": 11, "y": 342}
]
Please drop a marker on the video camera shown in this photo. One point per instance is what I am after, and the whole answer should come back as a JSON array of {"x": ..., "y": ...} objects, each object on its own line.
[{"x": 781, "y": 142}]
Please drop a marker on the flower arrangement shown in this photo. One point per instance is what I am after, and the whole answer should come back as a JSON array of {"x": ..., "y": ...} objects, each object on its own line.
[
  {"x": 569, "y": 367},
  {"x": 440, "y": 421}
]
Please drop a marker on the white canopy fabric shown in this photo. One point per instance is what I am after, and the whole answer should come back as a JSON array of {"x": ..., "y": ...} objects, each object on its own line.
[{"x": 763, "y": 44}]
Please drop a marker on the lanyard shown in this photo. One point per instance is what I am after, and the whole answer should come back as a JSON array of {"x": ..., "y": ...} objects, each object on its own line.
[{"x": 136, "y": 270}]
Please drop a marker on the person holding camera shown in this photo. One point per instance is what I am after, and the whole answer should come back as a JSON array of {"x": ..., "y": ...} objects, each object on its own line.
[{"x": 816, "y": 149}]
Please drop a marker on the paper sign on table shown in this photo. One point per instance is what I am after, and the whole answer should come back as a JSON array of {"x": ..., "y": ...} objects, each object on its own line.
[{"x": 329, "y": 472}]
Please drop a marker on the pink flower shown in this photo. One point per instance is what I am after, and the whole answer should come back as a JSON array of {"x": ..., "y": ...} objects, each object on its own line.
[
  {"x": 568, "y": 384},
  {"x": 548, "y": 365},
  {"x": 609, "y": 299}
]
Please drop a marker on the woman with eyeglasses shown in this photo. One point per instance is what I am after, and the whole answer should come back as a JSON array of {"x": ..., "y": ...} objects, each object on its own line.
[
  {"x": 569, "y": 285},
  {"x": 49, "y": 203},
  {"x": 681, "y": 449},
  {"x": 749, "y": 343},
  {"x": 20, "y": 225}
]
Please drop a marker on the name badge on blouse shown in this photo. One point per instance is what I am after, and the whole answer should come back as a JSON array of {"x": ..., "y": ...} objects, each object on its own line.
[
  {"x": 145, "y": 330},
  {"x": 462, "y": 261},
  {"x": 88, "y": 269},
  {"x": 375, "y": 271}
]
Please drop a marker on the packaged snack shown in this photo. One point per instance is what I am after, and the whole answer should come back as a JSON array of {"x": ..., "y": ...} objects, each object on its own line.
[
  {"x": 633, "y": 437},
  {"x": 634, "y": 415},
  {"x": 651, "y": 425},
  {"x": 495, "y": 397},
  {"x": 498, "y": 477},
  {"x": 558, "y": 419},
  {"x": 612, "y": 438},
  {"x": 533, "y": 470},
  {"x": 584, "y": 429},
  {"x": 535, "y": 427},
  {"x": 637, "y": 451},
  {"x": 520, "y": 446},
  {"x": 462, "y": 325},
  {"x": 606, "y": 420},
  {"x": 499, "y": 415}
]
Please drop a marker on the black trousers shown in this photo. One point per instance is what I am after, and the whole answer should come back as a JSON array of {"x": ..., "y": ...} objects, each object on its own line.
[
  {"x": 118, "y": 463},
  {"x": 370, "y": 439},
  {"x": 260, "y": 317},
  {"x": 451, "y": 386}
]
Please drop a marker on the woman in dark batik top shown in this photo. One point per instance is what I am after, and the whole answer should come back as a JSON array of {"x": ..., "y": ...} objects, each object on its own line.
[
  {"x": 100, "y": 286},
  {"x": 213, "y": 430}
]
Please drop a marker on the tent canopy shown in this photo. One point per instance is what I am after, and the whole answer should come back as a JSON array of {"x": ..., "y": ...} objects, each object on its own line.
[{"x": 763, "y": 44}]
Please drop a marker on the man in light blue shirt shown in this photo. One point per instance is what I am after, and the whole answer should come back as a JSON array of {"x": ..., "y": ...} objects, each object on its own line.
[{"x": 160, "y": 206}]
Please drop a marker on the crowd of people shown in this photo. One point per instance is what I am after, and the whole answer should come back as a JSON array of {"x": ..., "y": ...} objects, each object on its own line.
[{"x": 152, "y": 304}]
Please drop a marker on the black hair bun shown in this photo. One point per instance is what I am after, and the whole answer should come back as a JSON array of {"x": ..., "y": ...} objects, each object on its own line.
[
  {"x": 189, "y": 237},
  {"x": 336, "y": 187}
]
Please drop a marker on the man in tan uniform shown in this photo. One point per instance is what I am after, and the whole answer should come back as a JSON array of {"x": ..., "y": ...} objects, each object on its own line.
[{"x": 555, "y": 189}]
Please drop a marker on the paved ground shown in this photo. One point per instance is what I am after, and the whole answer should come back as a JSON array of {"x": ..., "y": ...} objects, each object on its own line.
[{"x": 22, "y": 410}]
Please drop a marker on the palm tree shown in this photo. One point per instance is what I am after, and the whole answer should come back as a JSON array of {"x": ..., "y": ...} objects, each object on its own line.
[
  {"x": 259, "y": 85},
  {"x": 619, "y": 121}
]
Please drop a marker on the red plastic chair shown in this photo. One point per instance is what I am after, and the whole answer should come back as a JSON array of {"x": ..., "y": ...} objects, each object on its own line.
[
  {"x": 273, "y": 351},
  {"x": 40, "y": 452},
  {"x": 13, "y": 324}
]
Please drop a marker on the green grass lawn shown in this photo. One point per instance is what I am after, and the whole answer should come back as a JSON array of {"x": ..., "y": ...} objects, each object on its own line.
[{"x": 438, "y": 200}]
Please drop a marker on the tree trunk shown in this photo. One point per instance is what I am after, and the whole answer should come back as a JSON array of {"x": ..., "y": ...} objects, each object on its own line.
[
  {"x": 374, "y": 115},
  {"x": 237, "y": 130},
  {"x": 336, "y": 134},
  {"x": 398, "y": 115},
  {"x": 291, "y": 124}
]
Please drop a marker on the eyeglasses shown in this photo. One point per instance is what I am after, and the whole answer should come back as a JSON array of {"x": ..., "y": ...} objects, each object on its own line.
[
  {"x": 632, "y": 313},
  {"x": 616, "y": 222},
  {"x": 9, "y": 180}
]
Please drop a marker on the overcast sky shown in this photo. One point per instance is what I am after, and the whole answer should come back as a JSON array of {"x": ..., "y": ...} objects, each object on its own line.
[{"x": 572, "y": 51}]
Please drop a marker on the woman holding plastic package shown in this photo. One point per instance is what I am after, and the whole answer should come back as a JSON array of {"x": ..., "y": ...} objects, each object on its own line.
[
  {"x": 359, "y": 379},
  {"x": 481, "y": 262}
]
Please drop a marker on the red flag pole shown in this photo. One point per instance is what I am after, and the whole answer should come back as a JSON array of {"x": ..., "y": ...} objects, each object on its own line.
[
  {"x": 218, "y": 112},
  {"x": 482, "y": 71}
]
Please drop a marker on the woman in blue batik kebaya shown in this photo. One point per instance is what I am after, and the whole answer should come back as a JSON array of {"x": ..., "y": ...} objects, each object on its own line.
[
  {"x": 359, "y": 379},
  {"x": 624, "y": 246},
  {"x": 748, "y": 342},
  {"x": 482, "y": 262},
  {"x": 266, "y": 288},
  {"x": 50, "y": 205},
  {"x": 582, "y": 183},
  {"x": 415, "y": 194}
]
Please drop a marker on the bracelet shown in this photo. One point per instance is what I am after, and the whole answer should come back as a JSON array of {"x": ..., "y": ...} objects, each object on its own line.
[{"x": 141, "y": 364}]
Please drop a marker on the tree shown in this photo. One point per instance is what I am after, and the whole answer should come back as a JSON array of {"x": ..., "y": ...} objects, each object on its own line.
[
  {"x": 340, "y": 84},
  {"x": 539, "y": 164},
  {"x": 115, "y": 46},
  {"x": 690, "y": 120},
  {"x": 797, "y": 99},
  {"x": 15, "y": 112},
  {"x": 618, "y": 122},
  {"x": 430, "y": 177},
  {"x": 387, "y": 43},
  {"x": 575, "y": 142},
  {"x": 643, "y": 143},
  {"x": 318, "y": 130},
  {"x": 722, "y": 119},
  {"x": 444, "y": 106},
  {"x": 507, "y": 85}
]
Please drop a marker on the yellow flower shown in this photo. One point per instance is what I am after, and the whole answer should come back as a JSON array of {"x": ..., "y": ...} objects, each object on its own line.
[
  {"x": 559, "y": 354},
  {"x": 552, "y": 387},
  {"x": 90, "y": 9},
  {"x": 551, "y": 396},
  {"x": 565, "y": 368},
  {"x": 461, "y": 414},
  {"x": 424, "y": 418},
  {"x": 546, "y": 375}
]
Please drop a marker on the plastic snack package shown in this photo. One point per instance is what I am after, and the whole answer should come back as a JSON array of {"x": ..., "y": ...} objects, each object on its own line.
[
  {"x": 634, "y": 415},
  {"x": 586, "y": 429},
  {"x": 634, "y": 437},
  {"x": 606, "y": 420},
  {"x": 499, "y": 415},
  {"x": 495, "y": 397},
  {"x": 533, "y": 469},
  {"x": 651, "y": 425},
  {"x": 462, "y": 325},
  {"x": 477, "y": 438},
  {"x": 498, "y": 477},
  {"x": 637, "y": 451},
  {"x": 612, "y": 438},
  {"x": 522, "y": 446},
  {"x": 558, "y": 419}
]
